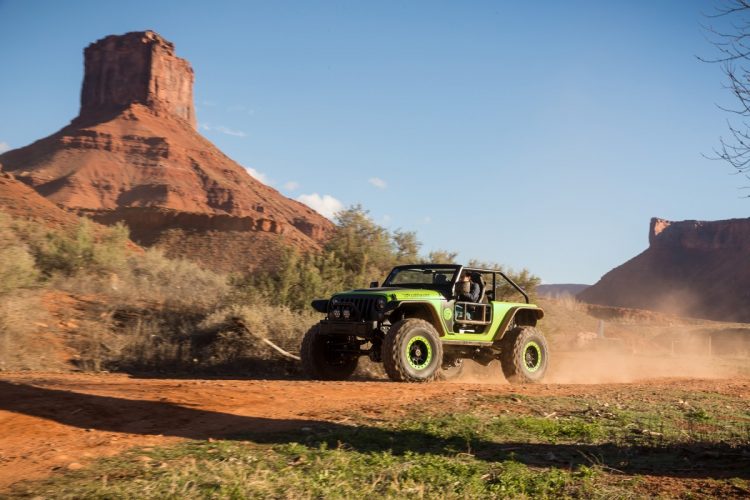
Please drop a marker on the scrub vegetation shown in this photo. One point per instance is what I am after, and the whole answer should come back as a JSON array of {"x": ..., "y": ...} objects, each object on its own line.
[{"x": 141, "y": 311}]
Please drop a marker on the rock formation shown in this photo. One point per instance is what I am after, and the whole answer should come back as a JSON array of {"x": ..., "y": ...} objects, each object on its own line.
[
  {"x": 693, "y": 268},
  {"x": 133, "y": 154},
  {"x": 136, "y": 68}
]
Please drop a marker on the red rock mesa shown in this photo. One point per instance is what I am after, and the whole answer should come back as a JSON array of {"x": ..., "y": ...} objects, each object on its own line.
[{"x": 133, "y": 154}]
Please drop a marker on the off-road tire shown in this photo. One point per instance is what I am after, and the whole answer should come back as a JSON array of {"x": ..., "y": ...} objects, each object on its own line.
[
  {"x": 525, "y": 355},
  {"x": 319, "y": 363},
  {"x": 412, "y": 351}
]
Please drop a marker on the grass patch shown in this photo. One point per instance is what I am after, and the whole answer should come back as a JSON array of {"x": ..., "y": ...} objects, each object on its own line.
[
  {"x": 581, "y": 448},
  {"x": 228, "y": 469}
]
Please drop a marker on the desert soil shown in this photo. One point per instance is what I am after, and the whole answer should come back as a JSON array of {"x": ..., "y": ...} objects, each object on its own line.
[{"x": 55, "y": 422}]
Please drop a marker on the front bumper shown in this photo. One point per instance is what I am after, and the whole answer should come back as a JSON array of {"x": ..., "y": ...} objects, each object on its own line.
[{"x": 355, "y": 328}]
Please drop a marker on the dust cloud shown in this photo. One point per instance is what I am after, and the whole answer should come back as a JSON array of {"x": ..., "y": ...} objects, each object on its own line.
[
  {"x": 602, "y": 367},
  {"x": 615, "y": 367}
]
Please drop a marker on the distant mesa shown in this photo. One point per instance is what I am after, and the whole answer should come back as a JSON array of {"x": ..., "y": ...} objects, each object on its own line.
[
  {"x": 133, "y": 154},
  {"x": 692, "y": 268}
]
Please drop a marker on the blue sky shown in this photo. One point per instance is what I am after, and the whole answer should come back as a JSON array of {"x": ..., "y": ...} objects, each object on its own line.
[{"x": 536, "y": 134}]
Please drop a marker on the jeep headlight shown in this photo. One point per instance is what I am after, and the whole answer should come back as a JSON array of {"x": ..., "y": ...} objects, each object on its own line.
[
  {"x": 336, "y": 313},
  {"x": 346, "y": 313},
  {"x": 380, "y": 304}
]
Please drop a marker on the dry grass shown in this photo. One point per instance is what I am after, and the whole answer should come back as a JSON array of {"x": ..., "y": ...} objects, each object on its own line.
[{"x": 25, "y": 340}]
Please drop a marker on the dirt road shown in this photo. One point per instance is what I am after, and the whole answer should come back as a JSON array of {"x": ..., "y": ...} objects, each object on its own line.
[{"x": 52, "y": 422}]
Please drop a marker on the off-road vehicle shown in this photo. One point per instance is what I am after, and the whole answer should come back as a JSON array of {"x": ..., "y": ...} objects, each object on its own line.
[{"x": 418, "y": 328}]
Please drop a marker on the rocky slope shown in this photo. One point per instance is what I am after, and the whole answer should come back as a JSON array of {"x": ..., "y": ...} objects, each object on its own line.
[
  {"x": 133, "y": 154},
  {"x": 19, "y": 200},
  {"x": 693, "y": 268}
]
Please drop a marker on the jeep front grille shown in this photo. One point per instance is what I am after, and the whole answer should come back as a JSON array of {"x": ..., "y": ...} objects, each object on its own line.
[{"x": 360, "y": 308}]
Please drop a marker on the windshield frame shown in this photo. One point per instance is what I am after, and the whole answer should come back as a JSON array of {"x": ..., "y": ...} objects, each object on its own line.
[{"x": 396, "y": 270}]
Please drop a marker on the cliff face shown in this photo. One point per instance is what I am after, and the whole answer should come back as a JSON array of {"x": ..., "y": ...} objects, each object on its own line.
[
  {"x": 695, "y": 268},
  {"x": 133, "y": 154}
]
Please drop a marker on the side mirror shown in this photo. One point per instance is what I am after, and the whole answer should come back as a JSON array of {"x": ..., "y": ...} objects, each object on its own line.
[{"x": 374, "y": 284}]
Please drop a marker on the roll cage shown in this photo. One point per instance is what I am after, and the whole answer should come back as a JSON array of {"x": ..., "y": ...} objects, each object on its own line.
[{"x": 449, "y": 288}]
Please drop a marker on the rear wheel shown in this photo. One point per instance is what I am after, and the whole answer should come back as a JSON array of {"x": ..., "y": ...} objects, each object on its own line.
[
  {"x": 322, "y": 361},
  {"x": 412, "y": 351},
  {"x": 524, "y": 355}
]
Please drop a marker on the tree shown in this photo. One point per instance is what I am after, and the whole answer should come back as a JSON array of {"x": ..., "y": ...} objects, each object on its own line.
[
  {"x": 442, "y": 257},
  {"x": 407, "y": 246},
  {"x": 365, "y": 248},
  {"x": 733, "y": 45}
]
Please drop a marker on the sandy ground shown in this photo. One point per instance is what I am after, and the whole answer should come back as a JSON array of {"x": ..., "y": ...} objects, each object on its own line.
[{"x": 51, "y": 422}]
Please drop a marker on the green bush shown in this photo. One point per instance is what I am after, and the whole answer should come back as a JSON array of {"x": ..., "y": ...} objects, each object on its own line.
[{"x": 86, "y": 250}]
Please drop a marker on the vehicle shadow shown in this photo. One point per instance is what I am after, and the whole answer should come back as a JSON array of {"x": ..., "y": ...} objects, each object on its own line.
[{"x": 105, "y": 413}]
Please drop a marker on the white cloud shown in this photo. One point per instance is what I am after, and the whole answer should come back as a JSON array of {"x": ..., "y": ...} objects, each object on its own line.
[
  {"x": 258, "y": 175},
  {"x": 4, "y": 146},
  {"x": 291, "y": 186},
  {"x": 325, "y": 205},
  {"x": 377, "y": 182},
  {"x": 222, "y": 130}
]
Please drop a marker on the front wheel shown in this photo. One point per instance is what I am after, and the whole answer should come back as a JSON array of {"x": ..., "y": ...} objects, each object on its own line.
[
  {"x": 412, "y": 351},
  {"x": 322, "y": 360},
  {"x": 525, "y": 355}
]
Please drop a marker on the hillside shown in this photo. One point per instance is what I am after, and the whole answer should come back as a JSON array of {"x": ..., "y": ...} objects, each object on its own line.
[{"x": 19, "y": 200}]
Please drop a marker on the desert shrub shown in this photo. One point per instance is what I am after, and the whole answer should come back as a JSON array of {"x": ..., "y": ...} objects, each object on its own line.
[
  {"x": 296, "y": 280},
  {"x": 176, "y": 283},
  {"x": 227, "y": 339},
  {"x": 17, "y": 266},
  {"x": 250, "y": 323},
  {"x": 96, "y": 342},
  {"x": 24, "y": 339},
  {"x": 156, "y": 340},
  {"x": 151, "y": 279},
  {"x": 84, "y": 250},
  {"x": 17, "y": 269}
]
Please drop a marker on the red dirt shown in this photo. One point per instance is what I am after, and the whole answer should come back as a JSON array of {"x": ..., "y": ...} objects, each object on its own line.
[{"x": 56, "y": 421}]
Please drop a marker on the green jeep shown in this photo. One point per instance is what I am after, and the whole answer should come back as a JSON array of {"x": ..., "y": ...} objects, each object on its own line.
[{"x": 421, "y": 328}]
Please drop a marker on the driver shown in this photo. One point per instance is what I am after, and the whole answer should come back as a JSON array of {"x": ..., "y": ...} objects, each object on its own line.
[{"x": 467, "y": 289}]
